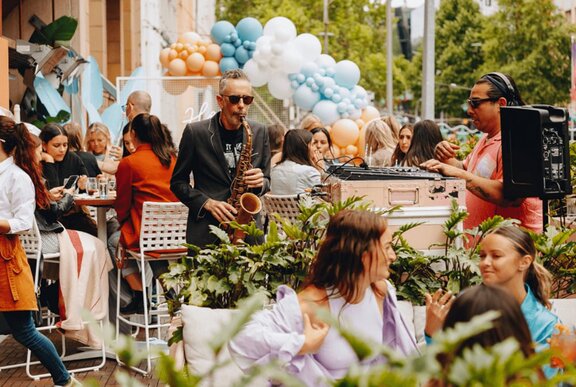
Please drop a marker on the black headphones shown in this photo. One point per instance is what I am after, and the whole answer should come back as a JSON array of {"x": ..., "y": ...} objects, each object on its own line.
[{"x": 503, "y": 84}]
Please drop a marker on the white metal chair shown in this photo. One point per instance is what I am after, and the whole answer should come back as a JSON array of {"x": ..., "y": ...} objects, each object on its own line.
[
  {"x": 32, "y": 244},
  {"x": 162, "y": 235}
]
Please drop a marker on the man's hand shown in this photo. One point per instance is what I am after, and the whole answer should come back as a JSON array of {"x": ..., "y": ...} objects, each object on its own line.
[
  {"x": 445, "y": 150},
  {"x": 434, "y": 165},
  {"x": 437, "y": 307},
  {"x": 254, "y": 178},
  {"x": 314, "y": 335},
  {"x": 222, "y": 211}
]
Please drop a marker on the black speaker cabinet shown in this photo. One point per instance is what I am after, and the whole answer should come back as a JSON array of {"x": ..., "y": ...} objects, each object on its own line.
[{"x": 535, "y": 151}]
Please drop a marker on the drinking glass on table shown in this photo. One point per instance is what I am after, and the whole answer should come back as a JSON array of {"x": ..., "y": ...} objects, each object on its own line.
[
  {"x": 103, "y": 187},
  {"x": 92, "y": 186},
  {"x": 112, "y": 186}
]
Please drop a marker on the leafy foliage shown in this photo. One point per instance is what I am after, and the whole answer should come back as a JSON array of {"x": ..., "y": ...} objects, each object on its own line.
[
  {"x": 59, "y": 32},
  {"x": 222, "y": 274},
  {"x": 558, "y": 256}
]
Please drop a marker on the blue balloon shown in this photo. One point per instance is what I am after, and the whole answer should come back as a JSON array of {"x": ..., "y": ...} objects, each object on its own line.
[
  {"x": 227, "y": 39},
  {"x": 330, "y": 72},
  {"x": 328, "y": 92},
  {"x": 249, "y": 29},
  {"x": 328, "y": 83},
  {"x": 220, "y": 30},
  {"x": 246, "y": 44},
  {"x": 301, "y": 78},
  {"x": 310, "y": 81},
  {"x": 315, "y": 87},
  {"x": 305, "y": 98},
  {"x": 227, "y": 49},
  {"x": 228, "y": 64},
  {"x": 327, "y": 111},
  {"x": 237, "y": 43},
  {"x": 342, "y": 107},
  {"x": 336, "y": 98},
  {"x": 294, "y": 84},
  {"x": 322, "y": 71},
  {"x": 347, "y": 74},
  {"x": 309, "y": 69},
  {"x": 241, "y": 55},
  {"x": 293, "y": 76},
  {"x": 252, "y": 46},
  {"x": 233, "y": 36}
]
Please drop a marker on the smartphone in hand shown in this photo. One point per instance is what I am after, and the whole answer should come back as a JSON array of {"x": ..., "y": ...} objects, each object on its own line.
[{"x": 71, "y": 182}]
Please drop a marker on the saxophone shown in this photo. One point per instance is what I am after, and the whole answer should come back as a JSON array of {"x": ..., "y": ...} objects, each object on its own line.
[{"x": 246, "y": 203}]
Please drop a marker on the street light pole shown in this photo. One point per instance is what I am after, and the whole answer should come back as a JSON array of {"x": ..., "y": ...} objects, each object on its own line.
[
  {"x": 325, "y": 20},
  {"x": 428, "y": 62},
  {"x": 389, "y": 90}
]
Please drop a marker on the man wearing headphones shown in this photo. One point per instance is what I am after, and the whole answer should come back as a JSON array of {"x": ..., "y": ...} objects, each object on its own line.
[{"x": 482, "y": 169}]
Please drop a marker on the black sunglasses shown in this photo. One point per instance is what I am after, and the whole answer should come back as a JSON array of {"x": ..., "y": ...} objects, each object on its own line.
[
  {"x": 474, "y": 103},
  {"x": 235, "y": 99}
]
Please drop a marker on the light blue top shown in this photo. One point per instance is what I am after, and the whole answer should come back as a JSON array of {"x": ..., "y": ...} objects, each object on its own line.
[{"x": 290, "y": 178}]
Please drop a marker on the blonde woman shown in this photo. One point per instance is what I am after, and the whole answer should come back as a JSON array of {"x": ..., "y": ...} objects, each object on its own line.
[
  {"x": 380, "y": 144},
  {"x": 99, "y": 143}
]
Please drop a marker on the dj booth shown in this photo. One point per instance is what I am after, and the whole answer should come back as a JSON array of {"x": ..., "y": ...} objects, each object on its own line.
[{"x": 423, "y": 197}]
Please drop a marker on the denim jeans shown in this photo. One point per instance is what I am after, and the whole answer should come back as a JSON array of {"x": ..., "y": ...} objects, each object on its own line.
[{"x": 24, "y": 332}]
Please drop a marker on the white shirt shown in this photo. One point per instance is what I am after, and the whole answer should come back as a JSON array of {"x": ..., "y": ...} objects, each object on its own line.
[
  {"x": 290, "y": 178},
  {"x": 17, "y": 197}
]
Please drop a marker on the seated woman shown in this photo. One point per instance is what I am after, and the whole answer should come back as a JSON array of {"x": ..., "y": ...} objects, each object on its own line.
[
  {"x": 348, "y": 277},
  {"x": 58, "y": 163},
  {"x": 404, "y": 141},
  {"x": 20, "y": 189},
  {"x": 322, "y": 141},
  {"x": 276, "y": 138},
  {"x": 394, "y": 126},
  {"x": 75, "y": 144},
  {"x": 507, "y": 260},
  {"x": 511, "y": 322},
  {"x": 295, "y": 173},
  {"x": 425, "y": 137},
  {"x": 99, "y": 143},
  {"x": 83, "y": 263},
  {"x": 142, "y": 176},
  {"x": 380, "y": 143}
]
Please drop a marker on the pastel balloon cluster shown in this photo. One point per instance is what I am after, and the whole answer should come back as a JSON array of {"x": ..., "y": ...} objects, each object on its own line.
[
  {"x": 191, "y": 55},
  {"x": 280, "y": 52},
  {"x": 329, "y": 89},
  {"x": 237, "y": 44}
]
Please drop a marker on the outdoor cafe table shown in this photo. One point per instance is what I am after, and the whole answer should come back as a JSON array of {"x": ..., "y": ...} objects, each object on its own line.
[{"x": 102, "y": 205}]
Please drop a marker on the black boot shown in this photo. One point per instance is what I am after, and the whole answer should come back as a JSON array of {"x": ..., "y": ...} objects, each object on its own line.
[{"x": 136, "y": 306}]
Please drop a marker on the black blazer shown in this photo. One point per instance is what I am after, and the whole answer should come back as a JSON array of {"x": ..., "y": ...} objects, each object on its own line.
[{"x": 202, "y": 155}]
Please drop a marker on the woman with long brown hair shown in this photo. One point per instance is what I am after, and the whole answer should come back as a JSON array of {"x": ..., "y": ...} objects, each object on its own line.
[
  {"x": 21, "y": 188},
  {"x": 348, "y": 277}
]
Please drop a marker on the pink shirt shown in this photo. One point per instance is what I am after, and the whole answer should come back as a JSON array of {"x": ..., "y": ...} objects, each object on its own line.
[{"x": 485, "y": 160}]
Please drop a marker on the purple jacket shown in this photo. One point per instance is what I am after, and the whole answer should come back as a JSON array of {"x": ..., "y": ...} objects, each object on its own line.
[{"x": 277, "y": 334}]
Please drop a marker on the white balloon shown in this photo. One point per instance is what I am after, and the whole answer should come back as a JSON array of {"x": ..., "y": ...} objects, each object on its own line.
[
  {"x": 279, "y": 86},
  {"x": 325, "y": 60},
  {"x": 291, "y": 61},
  {"x": 308, "y": 46},
  {"x": 281, "y": 28},
  {"x": 255, "y": 74}
]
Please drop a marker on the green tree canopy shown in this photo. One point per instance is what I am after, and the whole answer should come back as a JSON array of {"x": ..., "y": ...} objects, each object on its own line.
[
  {"x": 530, "y": 40},
  {"x": 459, "y": 25}
]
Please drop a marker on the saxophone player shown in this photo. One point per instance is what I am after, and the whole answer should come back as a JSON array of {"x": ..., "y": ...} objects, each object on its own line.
[{"x": 211, "y": 150}]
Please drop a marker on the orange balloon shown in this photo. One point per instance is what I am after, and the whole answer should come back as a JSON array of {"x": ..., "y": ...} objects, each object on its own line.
[
  {"x": 195, "y": 62},
  {"x": 344, "y": 132},
  {"x": 179, "y": 47},
  {"x": 369, "y": 113},
  {"x": 177, "y": 67},
  {"x": 202, "y": 49},
  {"x": 213, "y": 52},
  {"x": 172, "y": 55},
  {"x": 360, "y": 122},
  {"x": 164, "y": 56},
  {"x": 183, "y": 54},
  {"x": 173, "y": 46},
  {"x": 351, "y": 150},
  {"x": 210, "y": 69}
]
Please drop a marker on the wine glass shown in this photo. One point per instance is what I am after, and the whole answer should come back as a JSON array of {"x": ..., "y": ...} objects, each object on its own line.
[{"x": 92, "y": 186}]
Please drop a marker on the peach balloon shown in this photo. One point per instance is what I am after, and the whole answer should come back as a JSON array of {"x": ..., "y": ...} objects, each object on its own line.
[
  {"x": 179, "y": 47},
  {"x": 361, "y": 143},
  {"x": 360, "y": 122},
  {"x": 351, "y": 150},
  {"x": 177, "y": 67},
  {"x": 183, "y": 54},
  {"x": 202, "y": 49},
  {"x": 344, "y": 132},
  {"x": 172, "y": 55},
  {"x": 210, "y": 69},
  {"x": 369, "y": 113},
  {"x": 189, "y": 37},
  {"x": 195, "y": 62},
  {"x": 213, "y": 52},
  {"x": 164, "y": 55}
]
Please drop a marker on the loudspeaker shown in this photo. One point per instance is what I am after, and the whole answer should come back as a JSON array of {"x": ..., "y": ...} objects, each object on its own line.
[{"x": 535, "y": 151}]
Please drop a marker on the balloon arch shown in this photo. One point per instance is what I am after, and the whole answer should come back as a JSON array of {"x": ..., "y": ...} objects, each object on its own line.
[{"x": 290, "y": 65}]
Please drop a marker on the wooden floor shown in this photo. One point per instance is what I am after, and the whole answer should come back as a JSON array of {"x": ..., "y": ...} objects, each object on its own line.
[{"x": 13, "y": 353}]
